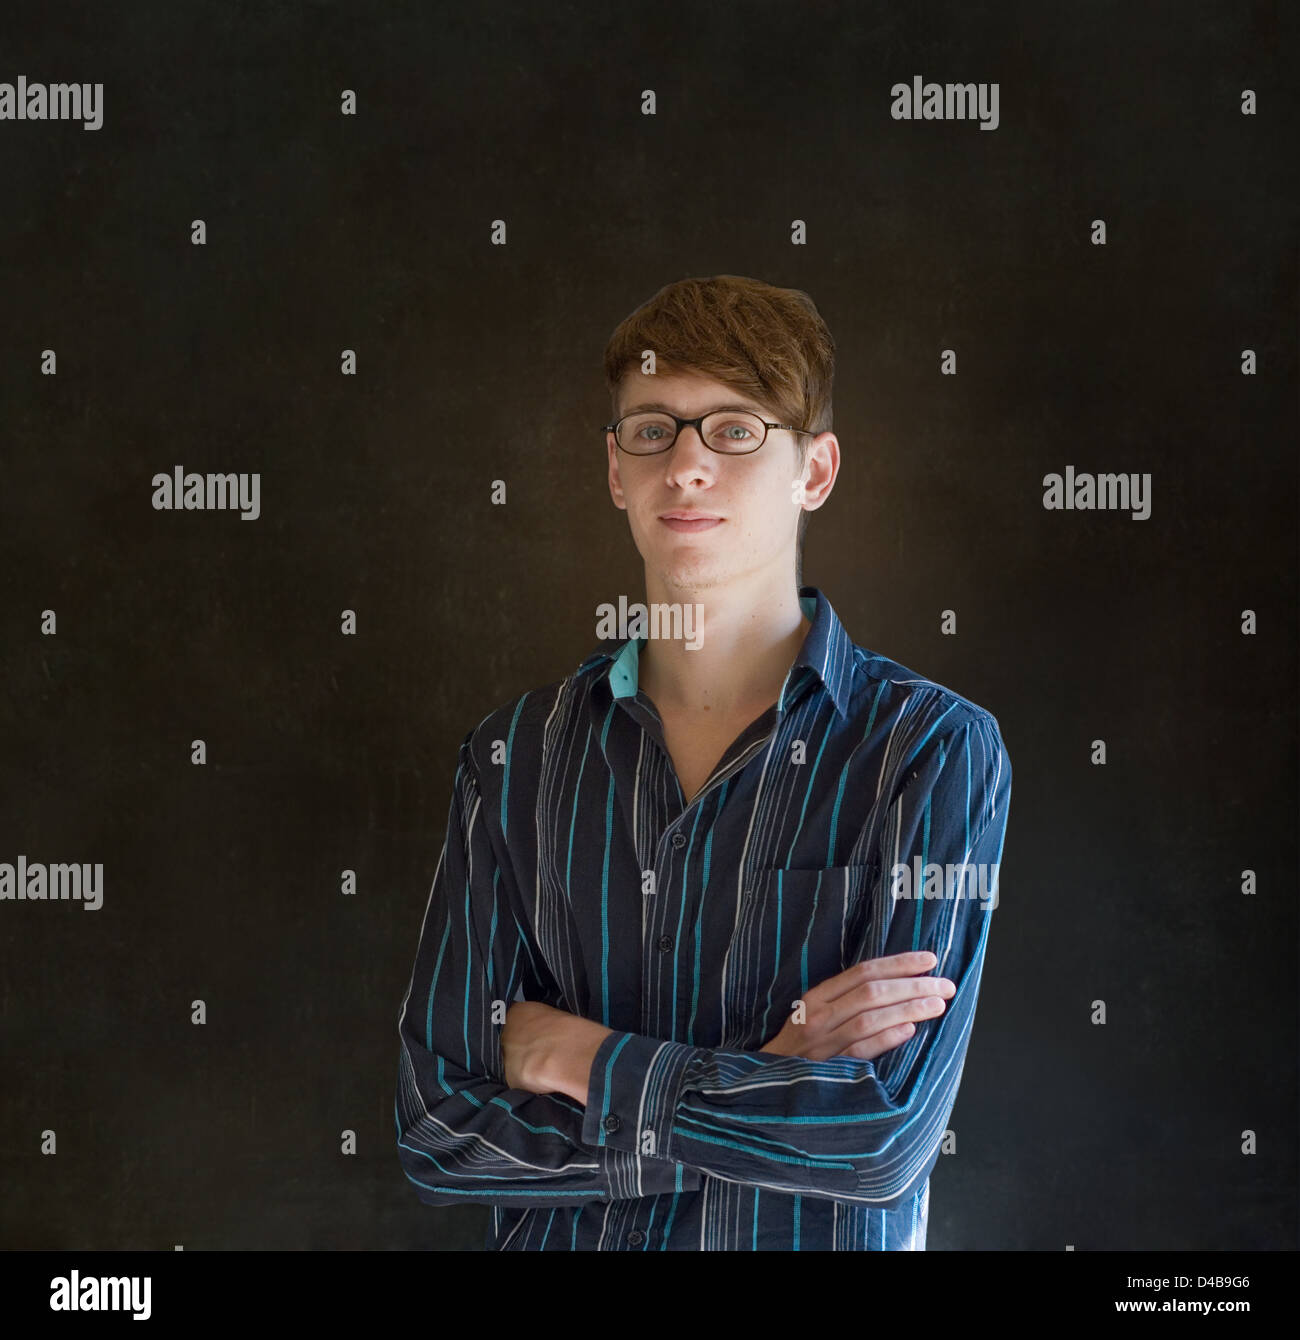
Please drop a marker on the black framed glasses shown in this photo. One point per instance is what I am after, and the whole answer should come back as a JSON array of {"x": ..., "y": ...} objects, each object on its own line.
[{"x": 730, "y": 432}]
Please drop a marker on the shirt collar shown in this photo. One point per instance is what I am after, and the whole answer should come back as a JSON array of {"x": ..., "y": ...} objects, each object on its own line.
[{"x": 827, "y": 653}]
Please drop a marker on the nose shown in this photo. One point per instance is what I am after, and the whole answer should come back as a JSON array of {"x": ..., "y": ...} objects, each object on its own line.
[{"x": 688, "y": 452}]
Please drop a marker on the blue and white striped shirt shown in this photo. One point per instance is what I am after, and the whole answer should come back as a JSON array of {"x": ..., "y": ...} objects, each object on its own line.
[{"x": 574, "y": 873}]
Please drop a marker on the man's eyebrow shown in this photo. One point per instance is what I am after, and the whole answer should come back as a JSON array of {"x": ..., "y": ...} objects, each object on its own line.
[{"x": 659, "y": 405}]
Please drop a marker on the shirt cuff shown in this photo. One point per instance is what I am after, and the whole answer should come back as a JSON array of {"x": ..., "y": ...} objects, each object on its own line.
[
  {"x": 632, "y": 1095},
  {"x": 632, "y": 1176}
]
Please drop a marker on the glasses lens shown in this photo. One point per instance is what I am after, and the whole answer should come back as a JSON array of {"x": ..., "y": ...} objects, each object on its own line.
[
  {"x": 646, "y": 433},
  {"x": 734, "y": 431}
]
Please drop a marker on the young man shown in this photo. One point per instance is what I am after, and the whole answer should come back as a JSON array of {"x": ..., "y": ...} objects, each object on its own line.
[{"x": 687, "y": 978}]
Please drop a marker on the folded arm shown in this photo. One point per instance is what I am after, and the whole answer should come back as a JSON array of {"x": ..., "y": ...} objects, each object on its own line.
[
  {"x": 850, "y": 1129},
  {"x": 463, "y": 1134}
]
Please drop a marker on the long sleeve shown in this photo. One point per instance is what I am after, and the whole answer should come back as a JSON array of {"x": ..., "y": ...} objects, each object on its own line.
[
  {"x": 850, "y": 1129},
  {"x": 462, "y": 1134}
]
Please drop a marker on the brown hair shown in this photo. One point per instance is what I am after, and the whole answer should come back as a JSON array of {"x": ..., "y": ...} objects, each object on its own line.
[{"x": 769, "y": 343}]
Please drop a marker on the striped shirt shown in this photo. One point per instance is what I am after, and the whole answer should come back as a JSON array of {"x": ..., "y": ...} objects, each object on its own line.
[{"x": 862, "y": 815}]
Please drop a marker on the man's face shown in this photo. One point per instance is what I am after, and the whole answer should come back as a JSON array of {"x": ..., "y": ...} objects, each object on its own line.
[{"x": 752, "y": 495}]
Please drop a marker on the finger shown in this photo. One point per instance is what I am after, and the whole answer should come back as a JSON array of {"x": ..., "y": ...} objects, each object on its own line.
[
  {"x": 876, "y": 969},
  {"x": 880, "y": 991},
  {"x": 891, "y": 1000},
  {"x": 877, "y": 1045},
  {"x": 870, "y": 1022}
]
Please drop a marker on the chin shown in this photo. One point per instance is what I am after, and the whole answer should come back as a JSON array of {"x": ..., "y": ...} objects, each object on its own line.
[{"x": 692, "y": 576}]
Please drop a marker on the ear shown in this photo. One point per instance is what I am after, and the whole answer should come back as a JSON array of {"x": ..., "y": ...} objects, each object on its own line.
[{"x": 821, "y": 468}]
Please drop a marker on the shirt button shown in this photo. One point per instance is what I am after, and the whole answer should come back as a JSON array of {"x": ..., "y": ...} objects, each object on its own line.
[
  {"x": 636, "y": 1237},
  {"x": 679, "y": 840},
  {"x": 665, "y": 943},
  {"x": 611, "y": 1122}
]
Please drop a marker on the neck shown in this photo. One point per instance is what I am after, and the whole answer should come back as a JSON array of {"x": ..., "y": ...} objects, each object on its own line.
[{"x": 752, "y": 631}]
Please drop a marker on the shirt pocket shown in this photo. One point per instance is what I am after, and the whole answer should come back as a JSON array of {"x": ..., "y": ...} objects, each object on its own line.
[{"x": 797, "y": 928}]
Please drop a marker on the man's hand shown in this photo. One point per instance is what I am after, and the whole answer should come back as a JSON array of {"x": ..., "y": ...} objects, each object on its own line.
[
  {"x": 865, "y": 1010},
  {"x": 545, "y": 1050}
]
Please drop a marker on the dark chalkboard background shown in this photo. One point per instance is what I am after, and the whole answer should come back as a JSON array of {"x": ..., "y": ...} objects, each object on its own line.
[{"x": 478, "y": 362}]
